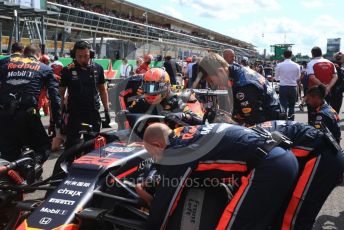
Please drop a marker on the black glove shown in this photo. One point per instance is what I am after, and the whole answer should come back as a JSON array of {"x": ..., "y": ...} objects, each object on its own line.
[
  {"x": 175, "y": 116},
  {"x": 52, "y": 129},
  {"x": 209, "y": 115},
  {"x": 107, "y": 117},
  {"x": 107, "y": 121}
]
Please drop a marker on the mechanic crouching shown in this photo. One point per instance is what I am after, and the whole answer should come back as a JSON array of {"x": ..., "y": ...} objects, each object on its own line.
[
  {"x": 321, "y": 114},
  {"x": 321, "y": 167},
  {"x": 22, "y": 80},
  {"x": 159, "y": 100},
  {"x": 218, "y": 151},
  {"x": 84, "y": 81}
]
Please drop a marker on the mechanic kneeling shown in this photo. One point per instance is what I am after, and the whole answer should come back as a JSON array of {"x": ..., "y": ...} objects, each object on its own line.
[
  {"x": 159, "y": 100},
  {"x": 321, "y": 167},
  {"x": 22, "y": 80},
  {"x": 218, "y": 151}
]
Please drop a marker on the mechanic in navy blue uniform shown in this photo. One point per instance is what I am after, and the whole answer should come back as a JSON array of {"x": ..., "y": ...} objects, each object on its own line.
[
  {"x": 321, "y": 113},
  {"x": 84, "y": 81},
  {"x": 22, "y": 80},
  {"x": 217, "y": 151},
  {"x": 159, "y": 100},
  {"x": 254, "y": 100},
  {"x": 321, "y": 167},
  {"x": 16, "y": 51}
]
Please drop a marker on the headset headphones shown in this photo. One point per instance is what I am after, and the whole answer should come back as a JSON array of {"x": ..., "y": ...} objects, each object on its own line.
[{"x": 82, "y": 45}]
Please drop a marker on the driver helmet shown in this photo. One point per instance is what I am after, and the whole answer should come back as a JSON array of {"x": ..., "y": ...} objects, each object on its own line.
[{"x": 156, "y": 81}]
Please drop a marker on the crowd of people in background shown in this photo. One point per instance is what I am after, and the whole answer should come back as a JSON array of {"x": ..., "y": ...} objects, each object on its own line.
[{"x": 100, "y": 9}]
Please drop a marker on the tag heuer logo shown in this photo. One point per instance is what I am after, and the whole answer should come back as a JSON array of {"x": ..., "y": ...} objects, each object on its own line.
[
  {"x": 240, "y": 96},
  {"x": 45, "y": 220}
]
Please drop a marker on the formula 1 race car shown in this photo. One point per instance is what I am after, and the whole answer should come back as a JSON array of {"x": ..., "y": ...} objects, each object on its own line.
[
  {"x": 92, "y": 184},
  {"x": 92, "y": 187}
]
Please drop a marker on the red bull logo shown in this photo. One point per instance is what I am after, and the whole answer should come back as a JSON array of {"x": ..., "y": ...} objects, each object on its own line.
[{"x": 12, "y": 66}]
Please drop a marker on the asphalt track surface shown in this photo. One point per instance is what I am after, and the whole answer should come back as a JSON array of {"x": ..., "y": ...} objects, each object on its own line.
[{"x": 331, "y": 216}]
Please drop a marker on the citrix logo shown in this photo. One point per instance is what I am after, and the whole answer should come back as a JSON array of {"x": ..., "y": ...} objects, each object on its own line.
[{"x": 69, "y": 192}]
